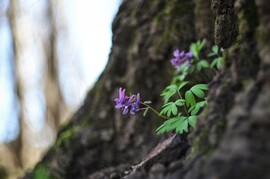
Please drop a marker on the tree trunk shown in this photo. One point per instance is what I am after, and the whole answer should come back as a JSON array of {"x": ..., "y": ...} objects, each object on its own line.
[
  {"x": 36, "y": 68},
  {"x": 231, "y": 139}
]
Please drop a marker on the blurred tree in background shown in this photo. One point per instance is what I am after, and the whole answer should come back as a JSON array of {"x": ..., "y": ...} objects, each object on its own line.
[
  {"x": 42, "y": 105},
  {"x": 46, "y": 66},
  {"x": 41, "y": 75},
  {"x": 35, "y": 28}
]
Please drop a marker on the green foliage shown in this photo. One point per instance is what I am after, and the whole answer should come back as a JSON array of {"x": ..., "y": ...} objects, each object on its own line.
[
  {"x": 196, "y": 48},
  {"x": 42, "y": 172},
  {"x": 145, "y": 112},
  {"x": 169, "y": 92},
  {"x": 196, "y": 108},
  {"x": 192, "y": 120},
  {"x": 218, "y": 60},
  {"x": 3, "y": 173},
  {"x": 178, "y": 123},
  {"x": 184, "y": 98},
  {"x": 198, "y": 90},
  {"x": 172, "y": 107},
  {"x": 179, "y": 112},
  {"x": 190, "y": 98},
  {"x": 202, "y": 64}
]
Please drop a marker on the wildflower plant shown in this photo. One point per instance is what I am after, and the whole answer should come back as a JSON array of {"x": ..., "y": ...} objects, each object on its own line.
[
  {"x": 184, "y": 98},
  {"x": 127, "y": 104}
]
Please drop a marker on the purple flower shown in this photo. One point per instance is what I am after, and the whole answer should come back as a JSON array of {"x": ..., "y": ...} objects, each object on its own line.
[
  {"x": 188, "y": 55},
  {"x": 177, "y": 53},
  {"x": 127, "y": 104},
  {"x": 135, "y": 107},
  {"x": 121, "y": 100},
  {"x": 180, "y": 58}
]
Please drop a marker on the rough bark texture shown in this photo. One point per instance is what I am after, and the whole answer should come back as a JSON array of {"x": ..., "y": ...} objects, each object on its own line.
[{"x": 231, "y": 139}]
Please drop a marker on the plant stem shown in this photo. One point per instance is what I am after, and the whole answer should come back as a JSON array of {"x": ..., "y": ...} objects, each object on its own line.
[
  {"x": 155, "y": 111},
  {"x": 184, "y": 104}
]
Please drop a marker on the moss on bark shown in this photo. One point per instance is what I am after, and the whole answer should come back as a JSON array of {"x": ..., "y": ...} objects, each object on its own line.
[{"x": 3, "y": 173}]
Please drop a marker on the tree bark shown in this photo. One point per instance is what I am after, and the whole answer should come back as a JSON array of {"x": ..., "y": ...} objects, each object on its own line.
[{"x": 231, "y": 139}]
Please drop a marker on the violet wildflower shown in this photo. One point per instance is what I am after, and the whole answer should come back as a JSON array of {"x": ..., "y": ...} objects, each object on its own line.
[
  {"x": 135, "y": 106},
  {"x": 180, "y": 58},
  {"x": 127, "y": 104},
  {"x": 120, "y": 101}
]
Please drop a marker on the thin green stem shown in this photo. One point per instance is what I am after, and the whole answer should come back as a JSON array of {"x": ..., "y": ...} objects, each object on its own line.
[
  {"x": 155, "y": 111},
  {"x": 184, "y": 104}
]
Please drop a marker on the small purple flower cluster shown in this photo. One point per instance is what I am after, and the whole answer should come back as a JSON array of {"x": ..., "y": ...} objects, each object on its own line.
[
  {"x": 180, "y": 58},
  {"x": 127, "y": 104}
]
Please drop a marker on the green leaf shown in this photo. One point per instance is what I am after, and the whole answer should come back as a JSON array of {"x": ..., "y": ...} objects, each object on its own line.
[
  {"x": 198, "y": 92},
  {"x": 194, "y": 51},
  {"x": 180, "y": 102},
  {"x": 174, "y": 109},
  {"x": 167, "y": 96},
  {"x": 195, "y": 48},
  {"x": 217, "y": 62},
  {"x": 202, "y": 103},
  {"x": 192, "y": 120},
  {"x": 176, "y": 79},
  {"x": 213, "y": 63},
  {"x": 170, "y": 125},
  {"x": 190, "y": 100},
  {"x": 198, "y": 67},
  {"x": 204, "y": 63},
  {"x": 201, "y": 86},
  {"x": 161, "y": 129},
  {"x": 211, "y": 54},
  {"x": 184, "y": 68},
  {"x": 164, "y": 111},
  {"x": 145, "y": 112},
  {"x": 202, "y": 44},
  {"x": 167, "y": 104},
  {"x": 181, "y": 85},
  {"x": 182, "y": 127},
  {"x": 215, "y": 49},
  {"x": 172, "y": 120},
  {"x": 169, "y": 109},
  {"x": 147, "y": 102},
  {"x": 169, "y": 92},
  {"x": 172, "y": 87},
  {"x": 195, "y": 109}
]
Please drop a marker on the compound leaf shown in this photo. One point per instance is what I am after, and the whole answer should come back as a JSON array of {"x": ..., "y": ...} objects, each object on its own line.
[
  {"x": 198, "y": 92},
  {"x": 145, "y": 112},
  {"x": 168, "y": 109},
  {"x": 189, "y": 97},
  {"x": 181, "y": 85},
  {"x": 180, "y": 102},
  {"x": 182, "y": 127},
  {"x": 192, "y": 120}
]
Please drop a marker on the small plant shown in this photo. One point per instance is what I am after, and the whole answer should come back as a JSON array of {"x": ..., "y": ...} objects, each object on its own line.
[{"x": 184, "y": 98}]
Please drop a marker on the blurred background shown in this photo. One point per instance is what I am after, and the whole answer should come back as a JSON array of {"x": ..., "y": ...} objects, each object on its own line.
[{"x": 51, "y": 53}]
